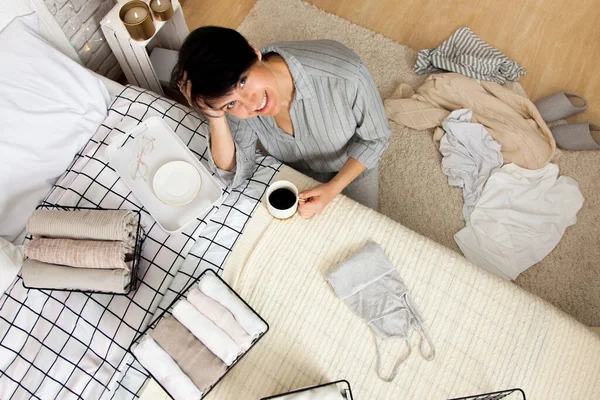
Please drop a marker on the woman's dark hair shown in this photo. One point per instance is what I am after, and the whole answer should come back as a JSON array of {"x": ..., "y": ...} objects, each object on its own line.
[{"x": 214, "y": 59}]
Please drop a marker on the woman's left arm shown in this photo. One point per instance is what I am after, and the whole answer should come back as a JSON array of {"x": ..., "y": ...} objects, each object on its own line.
[{"x": 365, "y": 149}]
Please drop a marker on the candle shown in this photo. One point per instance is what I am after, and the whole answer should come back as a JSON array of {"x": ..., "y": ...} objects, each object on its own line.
[
  {"x": 135, "y": 15},
  {"x": 160, "y": 6},
  {"x": 162, "y": 9}
]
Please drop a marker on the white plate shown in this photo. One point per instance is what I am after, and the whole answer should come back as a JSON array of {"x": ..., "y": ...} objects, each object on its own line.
[{"x": 176, "y": 183}]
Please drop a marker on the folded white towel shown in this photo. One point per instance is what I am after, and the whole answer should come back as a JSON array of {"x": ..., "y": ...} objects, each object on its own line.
[
  {"x": 221, "y": 316},
  {"x": 165, "y": 370},
  {"x": 329, "y": 392},
  {"x": 206, "y": 331},
  {"x": 214, "y": 288}
]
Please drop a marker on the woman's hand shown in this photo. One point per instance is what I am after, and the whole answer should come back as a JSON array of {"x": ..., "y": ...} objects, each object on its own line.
[
  {"x": 185, "y": 87},
  {"x": 315, "y": 200}
]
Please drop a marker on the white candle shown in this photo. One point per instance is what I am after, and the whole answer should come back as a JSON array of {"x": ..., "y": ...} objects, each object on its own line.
[
  {"x": 135, "y": 15},
  {"x": 160, "y": 5}
]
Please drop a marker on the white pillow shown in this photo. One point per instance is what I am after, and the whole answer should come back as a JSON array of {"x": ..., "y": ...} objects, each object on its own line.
[
  {"x": 11, "y": 259},
  {"x": 50, "y": 106}
]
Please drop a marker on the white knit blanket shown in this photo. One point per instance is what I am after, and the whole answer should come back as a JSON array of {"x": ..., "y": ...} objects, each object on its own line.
[{"x": 489, "y": 334}]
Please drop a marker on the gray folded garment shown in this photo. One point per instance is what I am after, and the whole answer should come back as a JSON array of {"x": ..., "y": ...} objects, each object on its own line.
[
  {"x": 37, "y": 274},
  {"x": 372, "y": 288},
  {"x": 85, "y": 224},
  {"x": 193, "y": 357}
]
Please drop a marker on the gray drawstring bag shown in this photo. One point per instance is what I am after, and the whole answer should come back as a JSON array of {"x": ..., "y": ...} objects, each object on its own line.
[{"x": 371, "y": 287}]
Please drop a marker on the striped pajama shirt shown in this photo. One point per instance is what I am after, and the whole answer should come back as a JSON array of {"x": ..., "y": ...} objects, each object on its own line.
[
  {"x": 465, "y": 53},
  {"x": 337, "y": 113}
]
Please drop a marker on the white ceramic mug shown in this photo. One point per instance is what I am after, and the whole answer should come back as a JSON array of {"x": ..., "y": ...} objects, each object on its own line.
[{"x": 276, "y": 212}]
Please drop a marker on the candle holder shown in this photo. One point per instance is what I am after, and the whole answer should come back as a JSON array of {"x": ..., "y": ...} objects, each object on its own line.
[
  {"x": 162, "y": 9},
  {"x": 137, "y": 18}
]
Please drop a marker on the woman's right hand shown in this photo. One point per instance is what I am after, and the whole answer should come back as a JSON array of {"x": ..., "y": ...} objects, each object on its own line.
[
  {"x": 211, "y": 114},
  {"x": 185, "y": 87}
]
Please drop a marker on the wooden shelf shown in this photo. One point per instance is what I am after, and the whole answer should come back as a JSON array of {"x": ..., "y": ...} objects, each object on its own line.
[{"x": 134, "y": 56}]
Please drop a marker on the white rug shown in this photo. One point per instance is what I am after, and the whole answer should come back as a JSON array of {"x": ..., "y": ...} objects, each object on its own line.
[{"x": 413, "y": 189}]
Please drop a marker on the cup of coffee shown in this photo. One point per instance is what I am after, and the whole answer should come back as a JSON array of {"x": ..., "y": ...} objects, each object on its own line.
[{"x": 282, "y": 199}]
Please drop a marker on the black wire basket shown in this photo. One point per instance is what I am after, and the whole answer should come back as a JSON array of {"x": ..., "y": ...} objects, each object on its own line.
[
  {"x": 508, "y": 394},
  {"x": 139, "y": 241},
  {"x": 168, "y": 311},
  {"x": 346, "y": 390}
]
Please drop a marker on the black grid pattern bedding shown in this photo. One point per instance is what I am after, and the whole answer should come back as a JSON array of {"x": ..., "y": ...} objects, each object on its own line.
[
  {"x": 210, "y": 252},
  {"x": 68, "y": 345}
]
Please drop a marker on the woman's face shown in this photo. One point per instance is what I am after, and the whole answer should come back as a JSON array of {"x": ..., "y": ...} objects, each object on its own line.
[{"x": 256, "y": 93}]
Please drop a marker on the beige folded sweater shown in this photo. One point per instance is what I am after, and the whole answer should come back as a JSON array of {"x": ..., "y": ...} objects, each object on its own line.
[
  {"x": 510, "y": 118},
  {"x": 192, "y": 356}
]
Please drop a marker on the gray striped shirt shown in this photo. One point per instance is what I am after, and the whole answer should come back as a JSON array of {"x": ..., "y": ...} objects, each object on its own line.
[
  {"x": 337, "y": 113},
  {"x": 465, "y": 53}
]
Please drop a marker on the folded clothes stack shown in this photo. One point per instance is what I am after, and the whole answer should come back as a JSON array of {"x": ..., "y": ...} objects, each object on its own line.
[
  {"x": 89, "y": 250},
  {"x": 208, "y": 331}
]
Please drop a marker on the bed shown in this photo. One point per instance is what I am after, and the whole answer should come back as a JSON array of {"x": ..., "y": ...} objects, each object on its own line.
[
  {"x": 59, "y": 344},
  {"x": 489, "y": 335}
]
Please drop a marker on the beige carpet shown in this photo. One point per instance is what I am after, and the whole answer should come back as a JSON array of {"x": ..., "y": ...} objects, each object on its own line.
[{"x": 413, "y": 189}]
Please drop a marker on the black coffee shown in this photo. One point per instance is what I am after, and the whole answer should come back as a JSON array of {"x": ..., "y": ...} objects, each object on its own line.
[{"x": 282, "y": 199}]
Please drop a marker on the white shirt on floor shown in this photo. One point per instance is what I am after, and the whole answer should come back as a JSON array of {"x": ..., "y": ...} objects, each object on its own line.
[
  {"x": 470, "y": 155},
  {"x": 519, "y": 219}
]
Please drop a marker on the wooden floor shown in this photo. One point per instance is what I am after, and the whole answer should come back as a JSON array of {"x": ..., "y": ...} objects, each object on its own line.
[{"x": 557, "y": 41}]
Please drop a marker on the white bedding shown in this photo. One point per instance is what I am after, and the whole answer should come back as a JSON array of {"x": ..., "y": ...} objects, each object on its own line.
[
  {"x": 40, "y": 135},
  {"x": 489, "y": 334},
  {"x": 63, "y": 344},
  {"x": 73, "y": 345},
  {"x": 211, "y": 250},
  {"x": 67, "y": 345},
  {"x": 50, "y": 107},
  {"x": 50, "y": 30},
  {"x": 114, "y": 88}
]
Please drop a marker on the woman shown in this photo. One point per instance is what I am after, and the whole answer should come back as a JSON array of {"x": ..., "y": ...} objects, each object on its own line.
[{"x": 313, "y": 105}]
